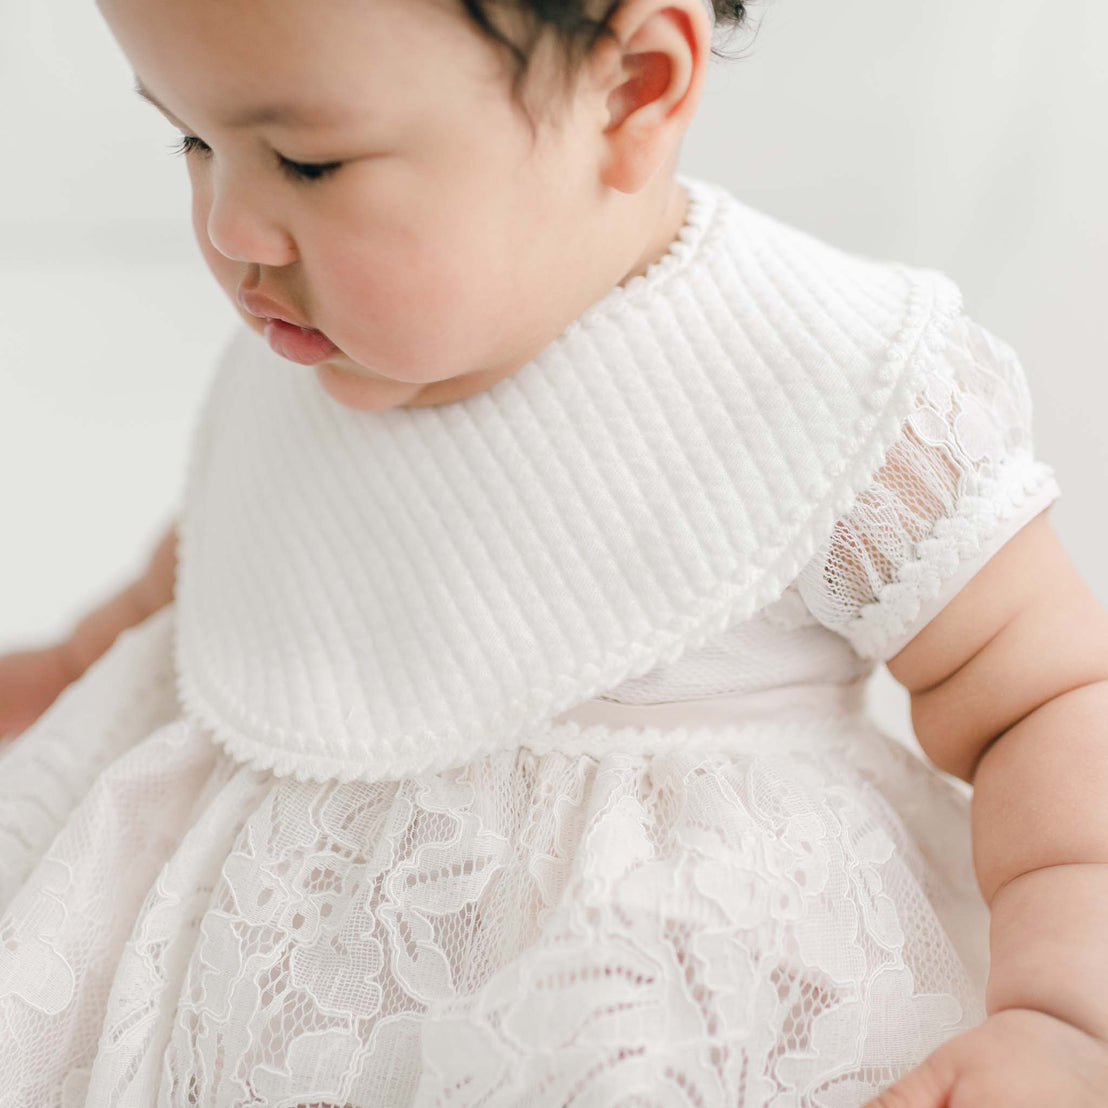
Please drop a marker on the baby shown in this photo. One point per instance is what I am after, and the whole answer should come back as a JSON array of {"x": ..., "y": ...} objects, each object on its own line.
[{"x": 391, "y": 782}]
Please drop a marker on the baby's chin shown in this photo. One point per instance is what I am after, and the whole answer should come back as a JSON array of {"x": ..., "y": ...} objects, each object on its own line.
[{"x": 362, "y": 391}]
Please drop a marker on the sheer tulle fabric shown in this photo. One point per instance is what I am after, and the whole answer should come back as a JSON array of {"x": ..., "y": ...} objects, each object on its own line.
[{"x": 961, "y": 479}]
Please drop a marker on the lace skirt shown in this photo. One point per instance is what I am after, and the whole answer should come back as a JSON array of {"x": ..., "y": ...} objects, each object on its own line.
[{"x": 768, "y": 914}]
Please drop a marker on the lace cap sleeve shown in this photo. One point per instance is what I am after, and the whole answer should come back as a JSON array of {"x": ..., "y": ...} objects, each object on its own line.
[{"x": 960, "y": 481}]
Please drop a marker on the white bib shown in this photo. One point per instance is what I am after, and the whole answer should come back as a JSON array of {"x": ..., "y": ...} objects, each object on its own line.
[{"x": 377, "y": 594}]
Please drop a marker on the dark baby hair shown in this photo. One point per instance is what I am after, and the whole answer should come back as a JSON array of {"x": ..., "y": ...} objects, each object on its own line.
[{"x": 577, "y": 25}]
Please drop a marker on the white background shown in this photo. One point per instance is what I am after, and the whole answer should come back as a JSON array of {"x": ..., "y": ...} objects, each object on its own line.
[{"x": 968, "y": 137}]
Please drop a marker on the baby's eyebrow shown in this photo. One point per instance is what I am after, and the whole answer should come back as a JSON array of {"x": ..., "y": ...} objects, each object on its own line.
[{"x": 285, "y": 115}]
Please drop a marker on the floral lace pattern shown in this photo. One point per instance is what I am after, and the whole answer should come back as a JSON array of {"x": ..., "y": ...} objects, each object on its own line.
[{"x": 776, "y": 923}]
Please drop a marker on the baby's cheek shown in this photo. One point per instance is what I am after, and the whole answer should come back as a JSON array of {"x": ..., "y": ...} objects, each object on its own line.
[{"x": 388, "y": 320}]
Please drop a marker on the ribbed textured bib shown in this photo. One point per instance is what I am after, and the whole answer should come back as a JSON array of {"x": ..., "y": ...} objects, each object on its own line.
[{"x": 377, "y": 594}]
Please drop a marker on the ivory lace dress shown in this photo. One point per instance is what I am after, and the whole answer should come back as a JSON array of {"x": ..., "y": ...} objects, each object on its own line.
[{"x": 515, "y": 751}]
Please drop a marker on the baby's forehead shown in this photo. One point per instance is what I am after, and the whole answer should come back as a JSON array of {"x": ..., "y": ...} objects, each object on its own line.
[{"x": 244, "y": 63}]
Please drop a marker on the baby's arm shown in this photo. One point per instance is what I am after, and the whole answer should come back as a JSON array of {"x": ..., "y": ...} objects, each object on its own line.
[
  {"x": 1009, "y": 691},
  {"x": 31, "y": 680},
  {"x": 144, "y": 596}
]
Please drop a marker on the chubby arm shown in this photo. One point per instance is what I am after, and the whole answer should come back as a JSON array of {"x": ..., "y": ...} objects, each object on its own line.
[
  {"x": 99, "y": 629},
  {"x": 1009, "y": 691}
]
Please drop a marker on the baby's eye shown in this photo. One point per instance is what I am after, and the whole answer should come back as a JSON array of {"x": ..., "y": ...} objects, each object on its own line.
[{"x": 300, "y": 171}]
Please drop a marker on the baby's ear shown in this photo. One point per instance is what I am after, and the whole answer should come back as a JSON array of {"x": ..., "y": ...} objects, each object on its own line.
[
  {"x": 649, "y": 82},
  {"x": 1024, "y": 629}
]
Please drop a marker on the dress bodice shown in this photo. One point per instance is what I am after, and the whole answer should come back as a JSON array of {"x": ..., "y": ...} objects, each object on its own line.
[{"x": 781, "y": 645}]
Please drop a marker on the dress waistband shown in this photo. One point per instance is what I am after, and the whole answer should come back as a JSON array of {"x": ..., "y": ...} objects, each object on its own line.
[{"x": 784, "y": 702}]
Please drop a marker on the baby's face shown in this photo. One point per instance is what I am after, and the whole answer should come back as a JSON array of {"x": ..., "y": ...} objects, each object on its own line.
[{"x": 445, "y": 251}]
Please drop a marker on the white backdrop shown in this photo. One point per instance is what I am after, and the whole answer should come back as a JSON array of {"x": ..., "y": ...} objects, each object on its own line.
[{"x": 968, "y": 137}]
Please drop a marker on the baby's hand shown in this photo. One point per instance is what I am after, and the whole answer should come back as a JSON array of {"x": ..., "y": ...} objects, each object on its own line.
[
  {"x": 30, "y": 681},
  {"x": 1018, "y": 1058}
]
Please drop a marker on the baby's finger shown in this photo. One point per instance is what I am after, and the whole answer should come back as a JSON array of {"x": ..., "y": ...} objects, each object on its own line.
[{"x": 927, "y": 1086}]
